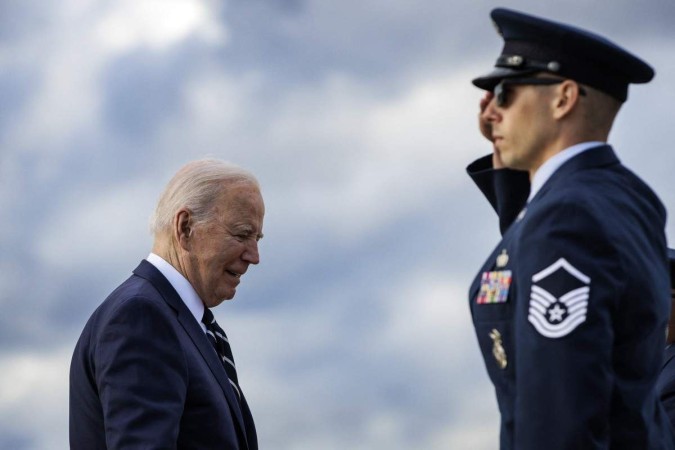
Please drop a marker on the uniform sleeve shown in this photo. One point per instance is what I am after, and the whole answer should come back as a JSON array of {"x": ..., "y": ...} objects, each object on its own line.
[
  {"x": 506, "y": 189},
  {"x": 141, "y": 376},
  {"x": 569, "y": 281},
  {"x": 666, "y": 386}
]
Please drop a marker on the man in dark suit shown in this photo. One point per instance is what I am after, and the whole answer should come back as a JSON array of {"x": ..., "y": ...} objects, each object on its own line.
[
  {"x": 570, "y": 307},
  {"x": 666, "y": 383},
  {"x": 152, "y": 369}
]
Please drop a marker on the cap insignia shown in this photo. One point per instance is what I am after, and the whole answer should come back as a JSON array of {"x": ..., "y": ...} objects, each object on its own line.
[
  {"x": 553, "y": 66},
  {"x": 514, "y": 61}
]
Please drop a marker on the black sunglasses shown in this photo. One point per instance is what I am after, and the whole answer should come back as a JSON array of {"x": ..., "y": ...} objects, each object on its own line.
[{"x": 500, "y": 90}]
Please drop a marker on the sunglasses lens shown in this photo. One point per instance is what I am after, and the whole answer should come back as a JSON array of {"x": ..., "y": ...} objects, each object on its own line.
[{"x": 500, "y": 94}]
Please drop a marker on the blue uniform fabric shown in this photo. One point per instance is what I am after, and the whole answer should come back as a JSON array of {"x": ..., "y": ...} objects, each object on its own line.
[
  {"x": 666, "y": 384},
  {"x": 144, "y": 375},
  {"x": 506, "y": 189},
  {"x": 585, "y": 379}
]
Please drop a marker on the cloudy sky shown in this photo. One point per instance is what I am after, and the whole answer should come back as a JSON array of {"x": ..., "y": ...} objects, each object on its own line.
[{"x": 358, "y": 117}]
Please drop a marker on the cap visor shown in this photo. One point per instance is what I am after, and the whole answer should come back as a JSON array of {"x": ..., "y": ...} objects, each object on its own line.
[{"x": 489, "y": 81}]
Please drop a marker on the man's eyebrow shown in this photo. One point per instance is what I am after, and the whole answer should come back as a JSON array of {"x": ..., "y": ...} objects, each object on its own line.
[{"x": 248, "y": 229}]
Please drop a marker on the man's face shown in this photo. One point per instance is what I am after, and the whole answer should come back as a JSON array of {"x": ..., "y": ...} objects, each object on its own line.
[
  {"x": 522, "y": 126},
  {"x": 219, "y": 252}
]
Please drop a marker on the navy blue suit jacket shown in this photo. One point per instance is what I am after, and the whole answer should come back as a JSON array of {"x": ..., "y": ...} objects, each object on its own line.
[
  {"x": 144, "y": 375},
  {"x": 666, "y": 384},
  {"x": 570, "y": 319}
]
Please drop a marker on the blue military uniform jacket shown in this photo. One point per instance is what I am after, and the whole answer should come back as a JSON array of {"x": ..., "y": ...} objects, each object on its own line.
[{"x": 570, "y": 307}]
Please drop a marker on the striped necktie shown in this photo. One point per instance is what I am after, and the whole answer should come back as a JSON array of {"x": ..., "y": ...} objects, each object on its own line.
[{"x": 219, "y": 340}]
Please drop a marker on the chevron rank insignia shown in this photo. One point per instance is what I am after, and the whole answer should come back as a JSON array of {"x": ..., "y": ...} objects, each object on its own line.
[{"x": 559, "y": 299}]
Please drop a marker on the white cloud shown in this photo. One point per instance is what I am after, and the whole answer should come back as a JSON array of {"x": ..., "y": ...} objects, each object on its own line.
[
  {"x": 435, "y": 120},
  {"x": 34, "y": 395},
  {"x": 70, "y": 56},
  {"x": 110, "y": 224},
  {"x": 428, "y": 311},
  {"x": 158, "y": 24},
  {"x": 364, "y": 159},
  {"x": 216, "y": 106}
]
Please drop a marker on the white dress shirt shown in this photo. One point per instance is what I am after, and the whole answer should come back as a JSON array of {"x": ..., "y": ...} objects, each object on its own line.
[
  {"x": 552, "y": 164},
  {"x": 185, "y": 290}
]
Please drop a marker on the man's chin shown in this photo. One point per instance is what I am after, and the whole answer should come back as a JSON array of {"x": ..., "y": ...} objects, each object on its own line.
[{"x": 220, "y": 299}]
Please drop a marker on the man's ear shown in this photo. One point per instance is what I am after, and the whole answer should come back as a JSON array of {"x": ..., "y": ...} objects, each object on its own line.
[
  {"x": 566, "y": 98},
  {"x": 182, "y": 228}
]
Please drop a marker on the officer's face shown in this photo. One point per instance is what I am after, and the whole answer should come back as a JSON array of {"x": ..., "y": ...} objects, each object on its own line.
[{"x": 522, "y": 125}]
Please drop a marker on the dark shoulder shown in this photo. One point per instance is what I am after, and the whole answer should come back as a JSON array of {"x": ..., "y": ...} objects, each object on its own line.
[
  {"x": 135, "y": 300},
  {"x": 608, "y": 194},
  {"x": 615, "y": 185}
]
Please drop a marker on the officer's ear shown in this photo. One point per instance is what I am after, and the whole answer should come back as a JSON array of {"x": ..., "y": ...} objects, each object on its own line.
[
  {"x": 566, "y": 97},
  {"x": 183, "y": 228}
]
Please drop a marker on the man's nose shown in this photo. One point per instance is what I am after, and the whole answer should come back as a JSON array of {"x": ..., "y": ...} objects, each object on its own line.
[
  {"x": 490, "y": 113},
  {"x": 251, "y": 254}
]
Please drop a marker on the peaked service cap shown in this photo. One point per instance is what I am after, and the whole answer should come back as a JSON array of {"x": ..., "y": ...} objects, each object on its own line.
[{"x": 533, "y": 44}]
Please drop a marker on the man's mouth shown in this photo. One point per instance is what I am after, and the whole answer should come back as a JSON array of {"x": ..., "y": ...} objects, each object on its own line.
[{"x": 234, "y": 274}]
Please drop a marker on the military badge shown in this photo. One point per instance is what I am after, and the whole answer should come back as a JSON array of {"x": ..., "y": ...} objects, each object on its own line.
[
  {"x": 494, "y": 287},
  {"x": 559, "y": 299},
  {"x": 498, "y": 349},
  {"x": 502, "y": 259}
]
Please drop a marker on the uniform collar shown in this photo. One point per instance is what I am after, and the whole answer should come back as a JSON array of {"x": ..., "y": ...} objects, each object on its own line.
[{"x": 552, "y": 164}]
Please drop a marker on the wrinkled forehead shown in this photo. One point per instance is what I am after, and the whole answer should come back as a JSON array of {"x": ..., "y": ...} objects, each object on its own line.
[{"x": 242, "y": 198}]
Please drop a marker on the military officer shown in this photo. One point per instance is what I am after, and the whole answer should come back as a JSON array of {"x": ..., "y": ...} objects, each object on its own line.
[{"x": 570, "y": 307}]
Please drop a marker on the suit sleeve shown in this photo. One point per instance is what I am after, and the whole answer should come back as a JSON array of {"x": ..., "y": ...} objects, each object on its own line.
[
  {"x": 506, "y": 189},
  {"x": 141, "y": 376},
  {"x": 569, "y": 282}
]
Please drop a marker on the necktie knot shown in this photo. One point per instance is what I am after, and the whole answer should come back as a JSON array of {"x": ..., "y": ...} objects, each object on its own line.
[{"x": 208, "y": 318}]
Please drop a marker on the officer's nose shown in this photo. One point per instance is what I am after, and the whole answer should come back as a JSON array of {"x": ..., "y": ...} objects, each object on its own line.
[{"x": 491, "y": 112}]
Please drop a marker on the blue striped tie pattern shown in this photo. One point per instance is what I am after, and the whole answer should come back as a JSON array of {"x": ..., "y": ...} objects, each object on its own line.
[{"x": 219, "y": 340}]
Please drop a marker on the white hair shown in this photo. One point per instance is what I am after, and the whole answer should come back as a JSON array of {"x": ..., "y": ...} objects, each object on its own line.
[{"x": 195, "y": 187}]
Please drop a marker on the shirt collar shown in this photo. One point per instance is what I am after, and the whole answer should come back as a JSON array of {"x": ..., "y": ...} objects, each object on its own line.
[
  {"x": 547, "y": 169},
  {"x": 185, "y": 290}
]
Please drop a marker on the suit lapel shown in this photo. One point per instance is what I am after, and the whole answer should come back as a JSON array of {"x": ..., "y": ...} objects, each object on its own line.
[{"x": 194, "y": 331}]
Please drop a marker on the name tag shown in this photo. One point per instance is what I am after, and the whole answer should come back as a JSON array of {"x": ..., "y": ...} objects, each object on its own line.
[{"x": 494, "y": 287}]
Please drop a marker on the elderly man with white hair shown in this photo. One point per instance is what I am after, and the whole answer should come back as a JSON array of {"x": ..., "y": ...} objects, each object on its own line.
[{"x": 152, "y": 368}]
